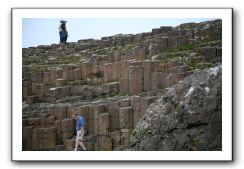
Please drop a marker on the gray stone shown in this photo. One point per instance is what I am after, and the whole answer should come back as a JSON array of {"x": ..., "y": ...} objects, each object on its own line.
[
  {"x": 187, "y": 118},
  {"x": 124, "y": 86},
  {"x": 125, "y": 117},
  {"x": 135, "y": 80}
]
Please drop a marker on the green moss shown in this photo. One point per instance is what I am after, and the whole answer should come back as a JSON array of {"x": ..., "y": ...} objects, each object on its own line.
[
  {"x": 87, "y": 88},
  {"x": 35, "y": 61},
  {"x": 83, "y": 61},
  {"x": 194, "y": 64},
  {"x": 178, "y": 108},
  {"x": 187, "y": 47},
  {"x": 128, "y": 46},
  {"x": 206, "y": 39},
  {"x": 167, "y": 56},
  {"x": 71, "y": 94},
  {"x": 67, "y": 60},
  {"x": 99, "y": 74},
  {"x": 67, "y": 82},
  {"x": 37, "y": 68},
  {"x": 113, "y": 94},
  {"x": 101, "y": 52},
  {"x": 203, "y": 65}
]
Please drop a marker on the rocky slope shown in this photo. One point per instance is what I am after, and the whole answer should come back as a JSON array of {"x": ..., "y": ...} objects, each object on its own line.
[
  {"x": 187, "y": 117},
  {"x": 110, "y": 81}
]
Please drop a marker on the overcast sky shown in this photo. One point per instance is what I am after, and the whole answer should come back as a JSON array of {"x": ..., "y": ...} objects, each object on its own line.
[{"x": 38, "y": 31}]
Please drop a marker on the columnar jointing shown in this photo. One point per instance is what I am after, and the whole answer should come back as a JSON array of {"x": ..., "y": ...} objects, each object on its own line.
[{"x": 110, "y": 82}]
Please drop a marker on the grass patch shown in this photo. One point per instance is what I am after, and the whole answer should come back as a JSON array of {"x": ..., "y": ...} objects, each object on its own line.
[
  {"x": 28, "y": 61},
  {"x": 71, "y": 94},
  {"x": 194, "y": 64},
  {"x": 37, "y": 68},
  {"x": 99, "y": 74},
  {"x": 67, "y": 82},
  {"x": 167, "y": 56},
  {"x": 128, "y": 46},
  {"x": 101, "y": 52},
  {"x": 187, "y": 47},
  {"x": 67, "y": 60},
  {"x": 87, "y": 88}
]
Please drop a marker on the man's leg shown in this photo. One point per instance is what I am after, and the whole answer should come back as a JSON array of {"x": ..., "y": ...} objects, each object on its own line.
[
  {"x": 82, "y": 145},
  {"x": 65, "y": 40},
  {"x": 77, "y": 140},
  {"x": 76, "y": 145},
  {"x": 60, "y": 37},
  {"x": 81, "y": 138}
]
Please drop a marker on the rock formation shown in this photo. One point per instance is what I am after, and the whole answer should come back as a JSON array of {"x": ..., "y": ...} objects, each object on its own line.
[
  {"x": 187, "y": 117},
  {"x": 112, "y": 82}
]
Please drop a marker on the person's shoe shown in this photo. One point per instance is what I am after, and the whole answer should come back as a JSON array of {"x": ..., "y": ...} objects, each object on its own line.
[
  {"x": 84, "y": 148},
  {"x": 75, "y": 149}
]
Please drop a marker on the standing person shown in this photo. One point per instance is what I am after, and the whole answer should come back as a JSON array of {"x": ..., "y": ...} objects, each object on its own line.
[
  {"x": 63, "y": 33},
  {"x": 80, "y": 123}
]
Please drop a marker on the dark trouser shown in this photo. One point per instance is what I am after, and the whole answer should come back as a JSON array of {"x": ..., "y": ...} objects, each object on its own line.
[
  {"x": 63, "y": 39},
  {"x": 63, "y": 36}
]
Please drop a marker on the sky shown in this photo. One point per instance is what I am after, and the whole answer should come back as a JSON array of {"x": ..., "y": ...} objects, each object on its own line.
[{"x": 44, "y": 31}]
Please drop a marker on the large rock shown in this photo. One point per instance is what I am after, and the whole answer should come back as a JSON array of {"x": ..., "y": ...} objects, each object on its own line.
[{"x": 187, "y": 117}]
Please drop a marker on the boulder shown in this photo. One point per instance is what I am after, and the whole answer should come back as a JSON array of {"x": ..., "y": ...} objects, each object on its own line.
[{"x": 188, "y": 117}]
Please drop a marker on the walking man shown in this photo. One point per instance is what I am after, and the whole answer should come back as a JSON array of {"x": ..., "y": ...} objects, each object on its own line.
[{"x": 80, "y": 123}]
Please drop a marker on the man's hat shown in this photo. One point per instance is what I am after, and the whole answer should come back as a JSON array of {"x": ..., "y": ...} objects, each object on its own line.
[{"x": 63, "y": 21}]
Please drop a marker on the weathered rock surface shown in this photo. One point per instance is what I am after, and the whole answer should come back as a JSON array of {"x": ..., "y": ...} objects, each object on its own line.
[
  {"x": 187, "y": 117},
  {"x": 112, "y": 82}
]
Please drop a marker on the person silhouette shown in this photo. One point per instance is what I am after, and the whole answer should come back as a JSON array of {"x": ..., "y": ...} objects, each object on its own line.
[{"x": 63, "y": 33}]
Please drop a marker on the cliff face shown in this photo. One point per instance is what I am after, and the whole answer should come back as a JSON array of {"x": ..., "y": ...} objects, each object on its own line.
[
  {"x": 187, "y": 117},
  {"x": 112, "y": 81}
]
